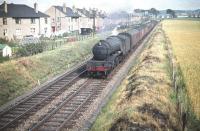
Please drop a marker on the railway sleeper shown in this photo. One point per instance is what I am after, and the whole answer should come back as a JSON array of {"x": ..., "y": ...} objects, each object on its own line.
[
  {"x": 33, "y": 100},
  {"x": 20, "y": 109},
  {"x": 60, "y": 115},
  {"x": 26, "y": 105},
  {"x": 58, "y": 118},
  {"x": 2, "y": 123},
  {"x": 65, "y": 112},
  {"x": 52, "y": 124},
  {"x": 9, "y": 115},
  {"x": 56, "y": 86},
  {"x": 47, "y": 129}
]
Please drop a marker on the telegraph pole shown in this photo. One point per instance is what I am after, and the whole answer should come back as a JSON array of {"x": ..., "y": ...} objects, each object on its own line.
[{"x": 94, "y": 19}]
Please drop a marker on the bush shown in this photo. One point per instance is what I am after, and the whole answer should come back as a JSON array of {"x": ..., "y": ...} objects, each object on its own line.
[
  {"x": 2, "y": 59},
  {"x": 30, "y": 49},
  {"x": 10, "y": 43}
]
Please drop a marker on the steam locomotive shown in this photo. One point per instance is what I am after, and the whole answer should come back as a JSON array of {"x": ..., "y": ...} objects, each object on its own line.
[{"x": 108, "y": 53}]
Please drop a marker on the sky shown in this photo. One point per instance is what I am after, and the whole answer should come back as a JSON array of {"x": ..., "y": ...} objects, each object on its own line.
[{"x": 114, "y": 5}]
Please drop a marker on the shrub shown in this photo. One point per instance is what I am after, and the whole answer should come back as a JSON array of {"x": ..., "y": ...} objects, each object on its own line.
[{"x": 30, "y": 49}]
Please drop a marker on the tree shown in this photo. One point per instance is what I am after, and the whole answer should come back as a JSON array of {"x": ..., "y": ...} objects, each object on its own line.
[
  {"x": 171, "y": 12},
  {"x": 154, "y": 11}
]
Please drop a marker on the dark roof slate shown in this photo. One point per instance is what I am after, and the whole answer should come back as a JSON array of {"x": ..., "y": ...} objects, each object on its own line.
[
  {"x": 69, "y": 12},
  {"x": 88, "y": 14},
  {"x": 85, "y": 12},
  {"x": 21, "y": 11}
]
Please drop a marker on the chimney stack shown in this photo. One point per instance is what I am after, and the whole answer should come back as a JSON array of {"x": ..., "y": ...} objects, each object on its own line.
[
  {"x": 5, "y": 7},
  {"x": 64, "y": 8},
  {"x": 36, "y": 7}
]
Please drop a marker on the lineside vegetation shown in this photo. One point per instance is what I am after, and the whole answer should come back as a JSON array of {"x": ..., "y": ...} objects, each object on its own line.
[
  {"x": 20, "y": 75},
  {"x": 143, "y": 101}
]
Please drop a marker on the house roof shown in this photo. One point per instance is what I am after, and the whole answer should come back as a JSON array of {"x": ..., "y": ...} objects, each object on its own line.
[
  {"x": 20, "y": 11},
  {"x": 102, "y": 15},
  {"x": 88, "y": 14},
  {"x": 2, "y": 46},
  {"x": 85, "y": 12},
  {"x": 69, "y": 12}
]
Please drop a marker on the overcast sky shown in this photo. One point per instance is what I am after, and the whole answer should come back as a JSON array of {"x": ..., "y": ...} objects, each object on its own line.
[{"x": 113, "y": 5}]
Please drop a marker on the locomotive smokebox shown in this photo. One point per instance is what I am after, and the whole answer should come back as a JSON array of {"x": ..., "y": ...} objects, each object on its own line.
[{"x": 105, "y": 48}]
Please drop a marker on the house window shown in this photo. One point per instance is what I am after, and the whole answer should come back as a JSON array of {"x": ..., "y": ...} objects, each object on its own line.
[
  {"x": 32, "y": 21},
  {"x": 75, "y": 20},
  {"x": 45, "y": 30},
  {"x": 46, "y": 20},
  {"x": 5, "y": 21},
  {"x": 69, "y": 28},
  {"x": 5, "y": 31},
  {"x": 69, "y": 19},
  {"x": 53, "y": 20},
  {"x": 18, "y": 21},
  {"x": 58, "y": 28},
  {"x": 72, "y": 28},
  {"x": 18, "y": 32},
  {"x": 33, "y": 30},
  {"x": 58, "y": 19}
]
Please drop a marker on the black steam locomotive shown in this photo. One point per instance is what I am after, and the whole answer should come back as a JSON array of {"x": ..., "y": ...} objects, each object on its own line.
[{"x": 108, "y": 53}]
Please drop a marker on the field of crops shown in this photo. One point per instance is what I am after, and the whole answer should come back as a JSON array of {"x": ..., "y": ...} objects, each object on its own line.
[{"x": 185, "y": 38}]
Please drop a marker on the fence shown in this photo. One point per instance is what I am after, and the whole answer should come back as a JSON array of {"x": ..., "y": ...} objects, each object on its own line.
[
  {"x": 179, "y": 86},
  {"x": 51, "y": 44}
]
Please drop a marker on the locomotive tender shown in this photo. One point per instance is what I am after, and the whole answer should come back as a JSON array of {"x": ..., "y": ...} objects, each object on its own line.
[{"x": 108, "y": 53}]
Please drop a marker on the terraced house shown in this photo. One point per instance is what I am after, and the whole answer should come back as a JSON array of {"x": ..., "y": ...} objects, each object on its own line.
[
  {"x": 17, "y": 21},
  {"x": 66, "y": 19},
  {"x": 87, "y": 16},
  {"x": 63, "y": 19},
  {"x": 85, "y": 19}
]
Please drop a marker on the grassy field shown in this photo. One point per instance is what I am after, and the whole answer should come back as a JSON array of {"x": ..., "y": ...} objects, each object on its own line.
[
  {"x": 185, "y": 38},
  {"x": 20, "y": 75},
  {"x": 143, "y": 101}
]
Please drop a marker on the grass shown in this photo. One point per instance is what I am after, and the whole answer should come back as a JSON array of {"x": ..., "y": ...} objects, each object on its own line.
[
  {"x": 185, "y": 39},
  {"x": 20, "y": 75},
  {"x": 143, "y": 101}
]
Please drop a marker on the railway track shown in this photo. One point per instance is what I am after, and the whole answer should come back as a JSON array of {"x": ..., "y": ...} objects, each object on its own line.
[
  {"x": 68, "y": 110},
  {"x": 11, "y": 116}
]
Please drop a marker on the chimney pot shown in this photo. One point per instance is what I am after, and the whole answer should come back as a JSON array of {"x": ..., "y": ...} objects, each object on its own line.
[
  {"x": 36, "y": 7},
  {"x": 5, "y": 7},
  {"x": 64, "y": 8}
]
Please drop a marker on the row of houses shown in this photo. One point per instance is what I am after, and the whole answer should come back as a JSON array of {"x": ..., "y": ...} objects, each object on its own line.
[{"x": 18, "y": 20}]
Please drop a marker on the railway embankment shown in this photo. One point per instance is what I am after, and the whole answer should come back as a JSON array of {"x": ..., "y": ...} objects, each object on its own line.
[
  {"x": 145, "y": 98},
  {"x": 23, "y": 74}
]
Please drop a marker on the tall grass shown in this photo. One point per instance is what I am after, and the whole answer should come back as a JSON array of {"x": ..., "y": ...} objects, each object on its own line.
[{"x": 185, "y": 38}]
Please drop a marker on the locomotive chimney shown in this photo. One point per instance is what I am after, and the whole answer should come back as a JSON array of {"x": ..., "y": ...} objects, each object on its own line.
[{"x": 5, "y": 7}]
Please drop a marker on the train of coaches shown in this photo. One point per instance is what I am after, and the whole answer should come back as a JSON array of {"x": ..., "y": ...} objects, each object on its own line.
[{"x": 108, "y": 53}]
